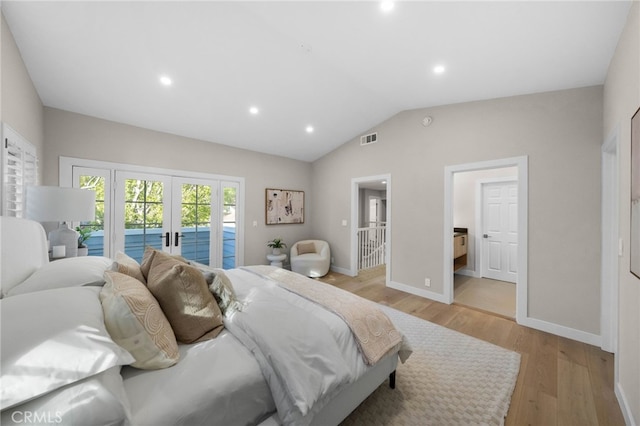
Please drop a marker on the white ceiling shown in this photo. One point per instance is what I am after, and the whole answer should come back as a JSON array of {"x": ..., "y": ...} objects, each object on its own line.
[{"x": 342, "y": 67}]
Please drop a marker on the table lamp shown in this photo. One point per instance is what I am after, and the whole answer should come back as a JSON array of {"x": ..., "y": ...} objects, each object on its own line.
[{"x": 63, "y": 205}]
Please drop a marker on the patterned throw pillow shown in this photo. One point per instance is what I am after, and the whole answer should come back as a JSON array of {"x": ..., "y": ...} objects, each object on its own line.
[
  {"x": 135, "y": 321},
  {"x": 129, "y": 266},
  {"x": 223, "y": 291},
  {"x": 183, "y": 294}
]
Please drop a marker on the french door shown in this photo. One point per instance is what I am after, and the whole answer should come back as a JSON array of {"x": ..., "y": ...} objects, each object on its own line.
[
  {"x": 192, "y": 217},
  {"x": 142, "y": 213}
]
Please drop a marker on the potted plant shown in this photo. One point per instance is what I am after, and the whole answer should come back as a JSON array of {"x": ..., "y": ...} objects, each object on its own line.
[
  {"x": 83, "y": 235},
  {"x": 276, "y": 244}
]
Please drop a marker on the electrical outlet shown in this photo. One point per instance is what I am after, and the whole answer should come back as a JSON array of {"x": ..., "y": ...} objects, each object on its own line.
[{"x": 427, "y": 282}]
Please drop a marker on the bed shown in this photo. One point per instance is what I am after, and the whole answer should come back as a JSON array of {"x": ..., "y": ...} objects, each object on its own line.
[{"x": 281, "y": 356}]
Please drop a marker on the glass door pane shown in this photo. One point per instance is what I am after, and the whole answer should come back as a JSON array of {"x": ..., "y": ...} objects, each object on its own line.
[
  {"x": 143, "y": 213},
  {"x": 97, "y": 231},
  {"x": 229, "y": 226},
  {"x": 194, "y": 239}
]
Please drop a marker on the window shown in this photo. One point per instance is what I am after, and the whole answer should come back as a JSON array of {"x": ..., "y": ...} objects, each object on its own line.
[{"x": 19, "y": 169}]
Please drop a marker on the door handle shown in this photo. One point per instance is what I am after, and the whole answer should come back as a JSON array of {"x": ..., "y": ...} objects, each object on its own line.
[
  {"x": 485, "y": 236},
  {"x": 167, "y": 239},
  {"x": 178, "y": 235}
]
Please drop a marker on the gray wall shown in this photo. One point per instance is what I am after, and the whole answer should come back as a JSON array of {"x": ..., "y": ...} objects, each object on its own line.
[
  {"x": 74, "y": 135},
  {"x": 621, "y": 100},
  {"x": 20, "y": 105},
  {"x": 559, "y": 131}
]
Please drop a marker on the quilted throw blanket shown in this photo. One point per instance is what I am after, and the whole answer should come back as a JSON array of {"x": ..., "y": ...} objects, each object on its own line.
[{"x": 374, "y": 332}]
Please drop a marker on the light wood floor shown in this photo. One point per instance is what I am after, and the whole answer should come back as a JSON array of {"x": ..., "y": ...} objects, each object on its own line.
[
  {"x": 492, "y": 296},
  {"x": 561, "y": 381}
]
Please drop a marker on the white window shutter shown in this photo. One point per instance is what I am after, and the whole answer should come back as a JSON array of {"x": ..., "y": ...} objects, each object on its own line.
[{"x": 19, "y": 169}]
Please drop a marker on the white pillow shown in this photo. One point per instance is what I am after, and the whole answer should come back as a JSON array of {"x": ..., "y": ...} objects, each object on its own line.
[
  {"x": 95, "y": 401},
  {"x": 50, "y": 339},
  {"x": 69, "y": 272}
]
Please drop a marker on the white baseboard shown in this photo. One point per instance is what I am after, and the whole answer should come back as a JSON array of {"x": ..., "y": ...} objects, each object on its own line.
[
  {"x": 417, "y": 291},
  {"x": 558, "y": 330},
  {"x": 342, "y": 271},
  {"x": 562, "y": 331},
  {"x": 624, "y": 405}
]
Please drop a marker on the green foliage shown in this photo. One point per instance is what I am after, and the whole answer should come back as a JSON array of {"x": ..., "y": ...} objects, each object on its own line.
[
  {"x": 276, "y": 243},
  {"x": 84, "y": 233},
  {"x": 144, "y": 203}
]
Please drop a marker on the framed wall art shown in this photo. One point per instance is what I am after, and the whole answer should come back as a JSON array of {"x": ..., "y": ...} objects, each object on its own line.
[
  {"x": 634, "y": 251},
  {"x": 284, "y": 206}
]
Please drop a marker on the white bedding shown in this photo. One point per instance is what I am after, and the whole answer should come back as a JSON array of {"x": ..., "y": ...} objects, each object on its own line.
[
  {"x": 216, "y": 382},
  {"x": 220, "y": 382},
  {"x": 305, "y": 357},
  {"x": 307, "y": 354}
]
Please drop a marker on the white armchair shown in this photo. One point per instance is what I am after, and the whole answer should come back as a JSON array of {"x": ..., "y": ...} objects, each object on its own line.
[{"x": 311, "y": 258}]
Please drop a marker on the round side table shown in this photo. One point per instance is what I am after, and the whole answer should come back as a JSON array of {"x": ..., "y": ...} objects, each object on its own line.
[{"x": 276, "y": 259}]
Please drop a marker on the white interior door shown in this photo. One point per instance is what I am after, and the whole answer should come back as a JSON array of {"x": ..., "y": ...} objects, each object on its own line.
[{"x": 500, "y": 231}]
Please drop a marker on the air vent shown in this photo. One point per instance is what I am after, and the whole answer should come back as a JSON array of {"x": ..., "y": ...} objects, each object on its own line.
[{"x": 369, "y": 139}]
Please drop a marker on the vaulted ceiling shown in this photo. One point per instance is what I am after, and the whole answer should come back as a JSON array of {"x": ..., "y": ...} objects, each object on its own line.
[{"x": 318, "y": 73}]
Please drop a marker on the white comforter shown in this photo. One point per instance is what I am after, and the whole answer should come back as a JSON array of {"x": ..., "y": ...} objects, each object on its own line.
[{"x": 307, "y": 354}]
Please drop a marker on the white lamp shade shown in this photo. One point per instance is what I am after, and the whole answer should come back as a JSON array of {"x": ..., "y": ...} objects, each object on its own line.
[{"x": 55, "y": 204}]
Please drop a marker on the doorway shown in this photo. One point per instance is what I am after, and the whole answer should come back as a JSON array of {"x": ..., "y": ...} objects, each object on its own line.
[
  {"x": 370, "y": 224},
  {"x": 500, "y": 172}
]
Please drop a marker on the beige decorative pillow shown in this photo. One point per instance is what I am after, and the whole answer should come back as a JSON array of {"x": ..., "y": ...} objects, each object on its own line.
[
  {"x": 223, "y": 291},
  {"x": 304, "y": 248},
  {"x": 149, "y": 255},
  {"x": 183, "y": 294},
  {"x": 135, "y": 321},
  {"x": 129, "y": 266}
]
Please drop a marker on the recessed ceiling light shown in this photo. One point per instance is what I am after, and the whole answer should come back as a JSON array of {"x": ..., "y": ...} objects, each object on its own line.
[
  {"x": 165, "y": 81},
  {"x": 438, "y": 69},
  {"x": 254, "y": 110},
  {"x": 386, "y": 6},
  {"x": 309, "y": 129}
]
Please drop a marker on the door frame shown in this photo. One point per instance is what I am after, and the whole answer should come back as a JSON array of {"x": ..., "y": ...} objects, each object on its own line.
[
  {"x": 355, "y": 211},
  {"x": 523, "y": 247},
  {"x": 609, "y": 291},
  {"x": 479, "y": 217}
]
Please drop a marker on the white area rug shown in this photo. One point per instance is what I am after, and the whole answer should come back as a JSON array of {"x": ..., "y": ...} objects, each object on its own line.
[{"x": 450, "y": 379}]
